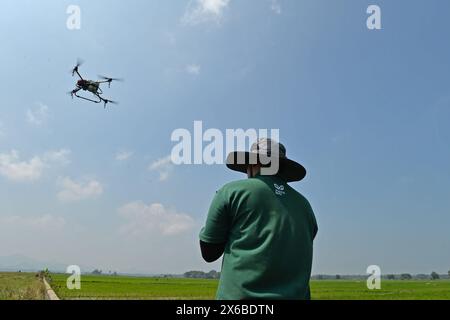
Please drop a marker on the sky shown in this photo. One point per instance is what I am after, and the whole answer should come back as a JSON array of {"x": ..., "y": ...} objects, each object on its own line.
[{"x": 365, "y": 111}]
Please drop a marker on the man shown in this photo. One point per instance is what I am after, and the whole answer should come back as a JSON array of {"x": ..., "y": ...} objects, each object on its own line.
[{"x": 263, "y": 227}]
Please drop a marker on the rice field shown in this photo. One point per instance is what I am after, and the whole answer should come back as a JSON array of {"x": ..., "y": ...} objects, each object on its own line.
[{"x": 135, "y": 288}]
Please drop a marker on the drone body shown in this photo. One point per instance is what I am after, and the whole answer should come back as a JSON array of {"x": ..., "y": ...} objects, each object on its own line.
[{"x": 92, "y": 87}]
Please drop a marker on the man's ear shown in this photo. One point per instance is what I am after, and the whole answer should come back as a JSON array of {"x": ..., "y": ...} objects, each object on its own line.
[{"x": 250, "y": 171}]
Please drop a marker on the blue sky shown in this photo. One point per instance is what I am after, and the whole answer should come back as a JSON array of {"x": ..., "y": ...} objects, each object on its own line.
[{"x": 366, "y": 112}]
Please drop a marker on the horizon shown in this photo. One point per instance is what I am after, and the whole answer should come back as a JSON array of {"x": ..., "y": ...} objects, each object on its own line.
[{"x": 205, "y": 270}]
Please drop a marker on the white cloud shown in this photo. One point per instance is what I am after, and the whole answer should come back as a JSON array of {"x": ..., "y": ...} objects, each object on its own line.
[
  {"x": 163, "y": 166},
  {"x": 200, "y": 11},
  {"x": 124, "y": 155},
  {"x": 38, "y": 116},
  {"x": 15, "y": 169},
  {"x": 60, "y": 156},
  {"x": 47, "y": 222},
  {"x": 275, "y": 6},
  {"x": 193, "y": 69},
  {"x": 77, "y": 191},
  {"x": 147, "y": 219}
]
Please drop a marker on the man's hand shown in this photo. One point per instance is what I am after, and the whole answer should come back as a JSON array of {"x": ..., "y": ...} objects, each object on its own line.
[{"x": 211, "y": 252}]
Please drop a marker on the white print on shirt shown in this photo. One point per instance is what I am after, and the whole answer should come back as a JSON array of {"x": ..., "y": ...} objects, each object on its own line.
[{"x": 279, "y": 190}]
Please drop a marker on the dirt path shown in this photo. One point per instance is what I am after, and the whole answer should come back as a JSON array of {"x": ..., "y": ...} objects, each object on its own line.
[{"x": 50, "y": 294}]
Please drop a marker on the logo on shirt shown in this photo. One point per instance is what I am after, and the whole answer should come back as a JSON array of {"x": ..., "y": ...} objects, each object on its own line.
[{"x": 279, "y": 190}]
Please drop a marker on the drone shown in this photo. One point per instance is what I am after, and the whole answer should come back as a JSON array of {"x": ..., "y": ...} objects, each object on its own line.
[{"x": 92, "y": 87}]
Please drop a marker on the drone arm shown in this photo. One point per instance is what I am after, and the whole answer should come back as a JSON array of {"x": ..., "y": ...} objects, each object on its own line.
[
  {"x": 74, "y": 92},
  {"x": 79, "y": 74},
  {"x": 105, "y": 81}
]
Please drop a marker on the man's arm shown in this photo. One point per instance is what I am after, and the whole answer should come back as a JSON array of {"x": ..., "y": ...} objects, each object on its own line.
[
  {"x": 211, "y": 252},
  {"x": 214, "y": 236}
]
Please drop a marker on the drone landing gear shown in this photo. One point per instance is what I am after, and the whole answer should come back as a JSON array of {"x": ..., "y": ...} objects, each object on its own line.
[
  {"x": 100, "y": 99},
  {"x": 88, "y": 99}
]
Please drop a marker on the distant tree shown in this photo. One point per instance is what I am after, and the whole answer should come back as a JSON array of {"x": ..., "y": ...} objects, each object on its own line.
[
  {"x": 195, "y": 274},
  {"x": 97, "y": 272},
  {"x": 434, "y": 276},
  {"x": 338, "y": 277},
  {"x": 391, "y": 277},
  {"x": 320, "y": 277},
  {"x": 44, "y": 274},
  {"x": 449, "y": 273},
  {"x": 406, "y": 276},
  {"x": 212, "y": 274}
]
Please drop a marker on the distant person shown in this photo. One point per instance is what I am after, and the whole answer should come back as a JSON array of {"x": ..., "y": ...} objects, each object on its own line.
[{"x": 263, "y": 227}]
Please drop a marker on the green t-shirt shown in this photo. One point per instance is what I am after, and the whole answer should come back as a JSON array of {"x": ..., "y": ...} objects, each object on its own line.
[{"x": 269, "y": 229}]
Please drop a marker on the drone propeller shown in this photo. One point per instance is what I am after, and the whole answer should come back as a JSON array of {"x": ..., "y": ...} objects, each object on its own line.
[
  {"x": 109, "y": 80},
  {"x": 79, "y": 64},
  {"x": 106, "y": 101}
]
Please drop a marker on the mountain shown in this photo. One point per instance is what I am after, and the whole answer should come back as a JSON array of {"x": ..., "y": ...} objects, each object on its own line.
[{"x": 24, "y": 263}]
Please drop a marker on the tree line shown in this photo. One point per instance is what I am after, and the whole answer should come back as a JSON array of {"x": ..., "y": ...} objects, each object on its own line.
[
  {"x": 404, "y": 276},
  {"x": 202, "y": 275}
]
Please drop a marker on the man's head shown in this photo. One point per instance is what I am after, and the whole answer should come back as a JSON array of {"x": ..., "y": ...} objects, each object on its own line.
[
  {"x": 253, "y": 170},
  {"x": 266, "y": 157}
]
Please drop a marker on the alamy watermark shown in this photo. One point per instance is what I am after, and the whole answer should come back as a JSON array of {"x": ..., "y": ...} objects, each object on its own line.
[
  {"x": 374, "y": 280},
  {"x": 374, "y": 20},
  {"x": 74, "y": 20},
  {"x": 74, "y": 280},
  {"x": 212, "y": 146}
]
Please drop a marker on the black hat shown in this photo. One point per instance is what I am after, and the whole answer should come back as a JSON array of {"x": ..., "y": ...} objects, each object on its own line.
[{"x": 261, "y": 152}]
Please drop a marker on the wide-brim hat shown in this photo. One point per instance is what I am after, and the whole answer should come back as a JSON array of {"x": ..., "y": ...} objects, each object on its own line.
[{"x": 264, "y": 151}]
